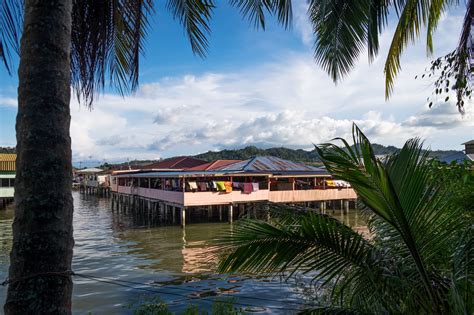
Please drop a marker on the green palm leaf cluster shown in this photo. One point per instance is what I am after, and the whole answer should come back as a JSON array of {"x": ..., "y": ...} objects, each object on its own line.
[{"x": 419, "y": 258}]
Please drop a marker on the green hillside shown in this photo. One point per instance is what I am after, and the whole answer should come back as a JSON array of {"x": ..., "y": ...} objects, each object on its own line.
[{"x": 298, "y": 155}]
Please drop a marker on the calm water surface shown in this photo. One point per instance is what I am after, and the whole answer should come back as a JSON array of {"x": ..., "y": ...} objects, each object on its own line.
[{"x": 177, "y": 262}]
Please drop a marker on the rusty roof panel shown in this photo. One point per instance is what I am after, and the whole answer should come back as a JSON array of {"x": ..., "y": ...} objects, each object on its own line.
[
  {"x": 214, "y": 165},
  {"x": 180, "y": 162}
]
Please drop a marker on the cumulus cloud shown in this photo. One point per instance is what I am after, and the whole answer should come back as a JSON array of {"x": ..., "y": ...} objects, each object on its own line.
[
  {"x": 289, "y": 128},
  {"x": 443, "y": 116},
  {"x": 286, "y": 102}
]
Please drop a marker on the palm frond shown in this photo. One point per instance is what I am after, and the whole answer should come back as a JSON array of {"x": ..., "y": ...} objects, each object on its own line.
[
  {"x": 107, "y": 39},
  {"x": 343, "y": 29},
  {"x": 377, "y": 20},
  {"x": 311, "y": 242},
  {"x": 414, "y": 14},
  {"x": 254, "y": 11},
  {"x": 416, "y": 211},
  {"x": 195, "y": 17},
  {"x": 11, "y": 23},
  {"x": 463, "y": 57}
]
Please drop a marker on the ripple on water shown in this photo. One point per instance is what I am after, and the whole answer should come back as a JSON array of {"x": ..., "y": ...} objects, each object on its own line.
[{"x": 175, "y": 261}]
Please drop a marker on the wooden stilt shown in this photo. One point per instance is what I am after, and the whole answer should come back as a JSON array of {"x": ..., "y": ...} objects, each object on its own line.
[
  {"x": 183, "y": 217},
  {"x": 231, "y": 213}
]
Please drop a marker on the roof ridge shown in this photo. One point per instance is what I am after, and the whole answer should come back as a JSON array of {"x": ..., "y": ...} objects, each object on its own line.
[
  {"x": 179, "y": 160},
  {"x": 250, "y": 161}
]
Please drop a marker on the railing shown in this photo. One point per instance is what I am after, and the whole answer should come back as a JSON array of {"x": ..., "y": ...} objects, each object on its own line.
[
  {"x": 201, "y": 198},
  {"x": 216, "y": 197},
  {"x": 165, "y": 195},
  {"x": 311, "y": 195}
]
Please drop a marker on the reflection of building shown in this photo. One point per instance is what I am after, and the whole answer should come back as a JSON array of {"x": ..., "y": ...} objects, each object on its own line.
[{"x": 7, "y": 177}]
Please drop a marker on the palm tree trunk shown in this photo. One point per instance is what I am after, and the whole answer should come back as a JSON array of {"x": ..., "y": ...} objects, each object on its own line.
[{"x": 42, "y": 230}]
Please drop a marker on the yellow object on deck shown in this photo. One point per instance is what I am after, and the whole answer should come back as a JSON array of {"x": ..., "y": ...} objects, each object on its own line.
[
  {"x": 330, "y": 183},
  {"x": 220, "y": 185}
]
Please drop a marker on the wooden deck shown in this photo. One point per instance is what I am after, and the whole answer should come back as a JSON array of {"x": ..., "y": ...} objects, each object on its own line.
[{"x": 207, "y": 198}]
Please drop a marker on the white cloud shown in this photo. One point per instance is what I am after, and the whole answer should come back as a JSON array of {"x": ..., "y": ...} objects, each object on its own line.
[
  {"x": 301, "y": 22},
  {"x": 8, "y": 101},
  {"x": 288, "y": 102}
]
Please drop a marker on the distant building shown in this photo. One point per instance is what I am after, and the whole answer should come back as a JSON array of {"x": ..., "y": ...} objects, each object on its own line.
[
  {"x": 469, "y": 149},
  {"x": 7, "y": 177}
]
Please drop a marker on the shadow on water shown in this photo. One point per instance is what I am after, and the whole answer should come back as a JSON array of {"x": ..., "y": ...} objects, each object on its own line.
[{"x": 176, "y": 262}]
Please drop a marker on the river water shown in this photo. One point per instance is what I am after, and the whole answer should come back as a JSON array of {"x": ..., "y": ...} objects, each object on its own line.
[{"x": 166, "y": 261}]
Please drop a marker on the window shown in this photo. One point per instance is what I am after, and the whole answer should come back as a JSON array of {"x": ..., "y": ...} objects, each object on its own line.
[
  {"x": 12, "y": 182},
  {"x": 5, "y": 182},
  {"x": 144, "y": 182},
  {"x": 156, "y": 183}
]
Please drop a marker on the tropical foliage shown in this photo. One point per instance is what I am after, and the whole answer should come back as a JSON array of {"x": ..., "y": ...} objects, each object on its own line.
[
  {"x": 345, "y": 28},
  {"x": 418, "y": 259}
]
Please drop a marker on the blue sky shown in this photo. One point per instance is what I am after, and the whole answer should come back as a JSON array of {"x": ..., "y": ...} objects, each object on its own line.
[{"x": 254, "y": 88}]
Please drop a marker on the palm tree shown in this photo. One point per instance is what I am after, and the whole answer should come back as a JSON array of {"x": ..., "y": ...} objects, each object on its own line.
[
  {"x": 344, "y": 29},
  {"x": 419, "y": 258},
  {"x": 82, "y": 43}
]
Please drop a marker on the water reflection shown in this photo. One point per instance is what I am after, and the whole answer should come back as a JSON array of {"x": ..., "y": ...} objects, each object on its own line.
[{"x": 177, "y": 262}]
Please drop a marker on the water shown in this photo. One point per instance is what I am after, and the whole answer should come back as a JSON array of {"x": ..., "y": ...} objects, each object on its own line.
[{"x": 177, "y": 262}]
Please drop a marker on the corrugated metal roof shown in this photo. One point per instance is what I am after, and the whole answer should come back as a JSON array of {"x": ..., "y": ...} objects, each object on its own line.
[
  {"x": 187, "y": 174},
  {"x": 180, "y": 162},
  {"x": 7, "y": 162},
  {"x": 214, "y": 165},
  {"x": 269, "y": 164}
]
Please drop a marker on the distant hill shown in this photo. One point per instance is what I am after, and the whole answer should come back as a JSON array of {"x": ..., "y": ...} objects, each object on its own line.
[
  {"x": 7, "y": 150},
  {"x": 300, "y": 155}
]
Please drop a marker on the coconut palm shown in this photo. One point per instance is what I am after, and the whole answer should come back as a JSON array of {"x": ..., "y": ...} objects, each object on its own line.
[
  {"x": 86, "y": 44},
  {"x": 419, "y": 258}
]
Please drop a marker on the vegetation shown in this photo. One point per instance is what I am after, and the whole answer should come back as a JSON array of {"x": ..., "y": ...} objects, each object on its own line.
[
  {"x": 419, "y": 258},
  {"x": 155, "y": 306},
  {"x": 7, "y": 150},
  {"x": 300, "y": 155},
  {"x": 359, "y": 23}
]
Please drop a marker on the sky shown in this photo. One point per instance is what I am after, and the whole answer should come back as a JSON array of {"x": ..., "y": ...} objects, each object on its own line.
[{"x": 258, "y": 88}]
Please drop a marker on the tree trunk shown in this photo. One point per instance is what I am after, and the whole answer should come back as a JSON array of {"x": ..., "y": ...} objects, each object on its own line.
[{"x": 40, "y": 282}]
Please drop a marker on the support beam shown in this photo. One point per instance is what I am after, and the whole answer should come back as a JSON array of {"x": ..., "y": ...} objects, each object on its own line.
[
  {"x": 231, "y": 213},
  {"x": 183, "y": 217},
  {"x": 174, "y": 214}
]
